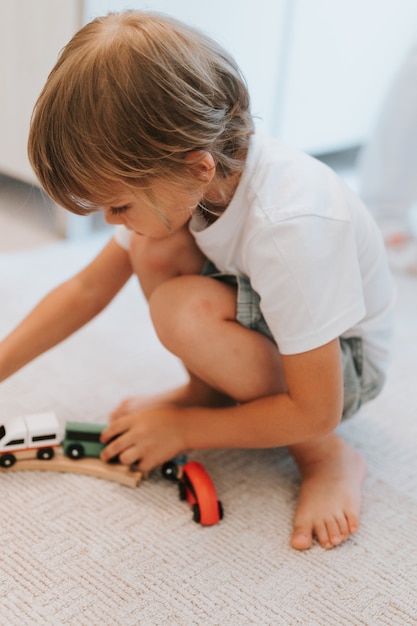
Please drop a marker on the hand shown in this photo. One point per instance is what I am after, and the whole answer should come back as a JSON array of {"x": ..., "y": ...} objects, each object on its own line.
[{"x": 149, "y": 437}]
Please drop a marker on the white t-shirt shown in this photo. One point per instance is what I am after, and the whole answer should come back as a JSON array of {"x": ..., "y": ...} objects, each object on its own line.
[{"x": 310, "y": 249}]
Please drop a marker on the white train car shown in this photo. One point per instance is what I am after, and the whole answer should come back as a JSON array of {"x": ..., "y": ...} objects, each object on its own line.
[{"x": 30, "y": 436}]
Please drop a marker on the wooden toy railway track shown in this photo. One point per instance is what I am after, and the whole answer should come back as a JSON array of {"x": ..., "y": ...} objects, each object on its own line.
[{"x": 115, "y": 472}]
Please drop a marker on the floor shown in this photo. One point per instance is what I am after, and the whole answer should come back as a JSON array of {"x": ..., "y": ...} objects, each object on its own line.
[{"x": 29, "y": 220}]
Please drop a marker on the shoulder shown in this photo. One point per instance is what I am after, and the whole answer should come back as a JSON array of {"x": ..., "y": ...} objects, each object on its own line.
[{"x": 280, "y": 183}]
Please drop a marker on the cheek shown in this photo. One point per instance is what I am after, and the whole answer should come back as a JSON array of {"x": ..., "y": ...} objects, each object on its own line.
[
  {"x": 184, "y": 206},
  {"x": 113, "y": 220},
  {"x": 150, "y": 223}
]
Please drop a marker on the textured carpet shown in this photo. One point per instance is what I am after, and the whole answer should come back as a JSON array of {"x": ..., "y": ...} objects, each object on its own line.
[{"x": 83, "y": 551}]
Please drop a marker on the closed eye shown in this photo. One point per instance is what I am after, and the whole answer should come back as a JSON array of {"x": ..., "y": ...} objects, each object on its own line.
[{"x": 117, "y": 210}]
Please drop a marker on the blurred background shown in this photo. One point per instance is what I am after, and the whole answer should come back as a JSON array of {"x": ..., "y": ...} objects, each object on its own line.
[{"x": 319, "y": 72}]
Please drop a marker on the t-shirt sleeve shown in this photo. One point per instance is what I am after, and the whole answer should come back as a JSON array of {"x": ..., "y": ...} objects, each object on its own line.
[
  {"x": 122, "y": 236},
  {"x": 309, "y": 279}
]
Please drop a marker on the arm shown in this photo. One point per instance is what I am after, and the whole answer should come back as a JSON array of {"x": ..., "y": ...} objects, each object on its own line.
[
  {"x": 311, "y": 406},
  {"x": 66, "y": 309}
]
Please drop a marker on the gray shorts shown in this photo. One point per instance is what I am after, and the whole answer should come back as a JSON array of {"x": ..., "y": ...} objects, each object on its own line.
[{"x": 363, "y": 380}]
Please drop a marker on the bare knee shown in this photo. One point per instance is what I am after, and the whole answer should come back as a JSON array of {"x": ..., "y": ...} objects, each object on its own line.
[
  {"x": 155, "y": 261},
  {"x": 182, "y": 308},
  {"x": 195, "y": 319}
]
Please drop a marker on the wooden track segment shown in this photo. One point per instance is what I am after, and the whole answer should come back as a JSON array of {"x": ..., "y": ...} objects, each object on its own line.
[{"x": 91, "y": 467}]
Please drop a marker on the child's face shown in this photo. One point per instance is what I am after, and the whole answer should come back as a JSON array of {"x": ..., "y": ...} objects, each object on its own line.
[{"x": 170, "y": 209}]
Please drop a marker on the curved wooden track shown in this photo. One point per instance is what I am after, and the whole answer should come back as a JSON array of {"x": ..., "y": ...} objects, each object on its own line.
[{"x": 91, "y": 467}]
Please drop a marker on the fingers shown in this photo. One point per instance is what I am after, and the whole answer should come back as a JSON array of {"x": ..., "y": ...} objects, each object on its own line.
[
  {"x": 119, "y": 444},
  {"x": 125, "y": 444},
  {"x": 149, "y": 436}
]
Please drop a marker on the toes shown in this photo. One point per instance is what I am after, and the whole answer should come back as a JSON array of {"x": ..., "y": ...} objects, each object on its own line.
[
  {"x": 333, "y": 532},
  {"x": 352, "y": 523},
  {"x": 303, "y": 533},
  {"x": 326, "y": 534},
  {"x": 301, "y": 539},
  {"x": 342, "y": 531},
  {"x": 329, "y": 533}
]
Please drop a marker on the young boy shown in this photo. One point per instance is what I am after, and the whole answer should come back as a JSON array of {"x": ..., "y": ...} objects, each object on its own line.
[{"x": 263, "y": 272}]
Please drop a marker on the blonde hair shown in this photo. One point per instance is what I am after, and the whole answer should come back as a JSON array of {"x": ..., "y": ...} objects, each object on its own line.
[{"x": 130, "y": 96}]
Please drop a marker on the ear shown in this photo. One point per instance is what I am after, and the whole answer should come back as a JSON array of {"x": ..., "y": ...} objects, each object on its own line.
[{"x": 201, "y": 165}]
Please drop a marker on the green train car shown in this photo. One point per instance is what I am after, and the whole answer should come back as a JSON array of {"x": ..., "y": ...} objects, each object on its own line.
[{"x": 82, "y": 440}]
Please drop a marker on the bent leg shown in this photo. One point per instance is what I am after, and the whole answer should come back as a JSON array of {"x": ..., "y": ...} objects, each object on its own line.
[
  {"x": 154, "y": 262},
  {"x": 202, "y": 331},
  {"x": 194, "y": 317}
]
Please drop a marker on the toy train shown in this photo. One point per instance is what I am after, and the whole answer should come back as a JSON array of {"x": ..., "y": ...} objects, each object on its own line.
[{"x": 40, "y": 437}]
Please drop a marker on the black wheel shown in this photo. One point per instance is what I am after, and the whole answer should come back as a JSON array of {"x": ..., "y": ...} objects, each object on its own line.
[
  {"x": 7, "y": 460},
  {"x": 196, "y": 513},
  {"x": 221, "y": 512},
  {"x": 44, "y": 454},
  {"x": 170, "y": 470},
  {"x": 182, "y": 490},
  {"x": 75, "y": 451}
]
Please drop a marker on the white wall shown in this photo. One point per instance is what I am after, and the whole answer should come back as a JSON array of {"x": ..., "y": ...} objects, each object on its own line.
[{"x": 341, "y": 59}]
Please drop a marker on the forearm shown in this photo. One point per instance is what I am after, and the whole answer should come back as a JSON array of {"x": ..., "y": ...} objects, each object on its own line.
[
  {"x": 66, "y": 309},
  {"x": 268, "y": 422},
  {"x": 56, "y": 317},
  {"x": 310, "y": 406}
]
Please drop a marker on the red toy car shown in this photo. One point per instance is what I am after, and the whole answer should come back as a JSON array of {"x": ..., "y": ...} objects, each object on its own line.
[{"x": 196, "y": 486}]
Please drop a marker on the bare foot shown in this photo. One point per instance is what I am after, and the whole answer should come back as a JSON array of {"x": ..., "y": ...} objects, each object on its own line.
[
  {"x": 330, "y": 496},
  {"x": 191, "y": 394}
]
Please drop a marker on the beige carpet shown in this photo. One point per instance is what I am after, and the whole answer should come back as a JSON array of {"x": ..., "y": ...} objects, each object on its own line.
[{"x": 83, "y": 551}]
